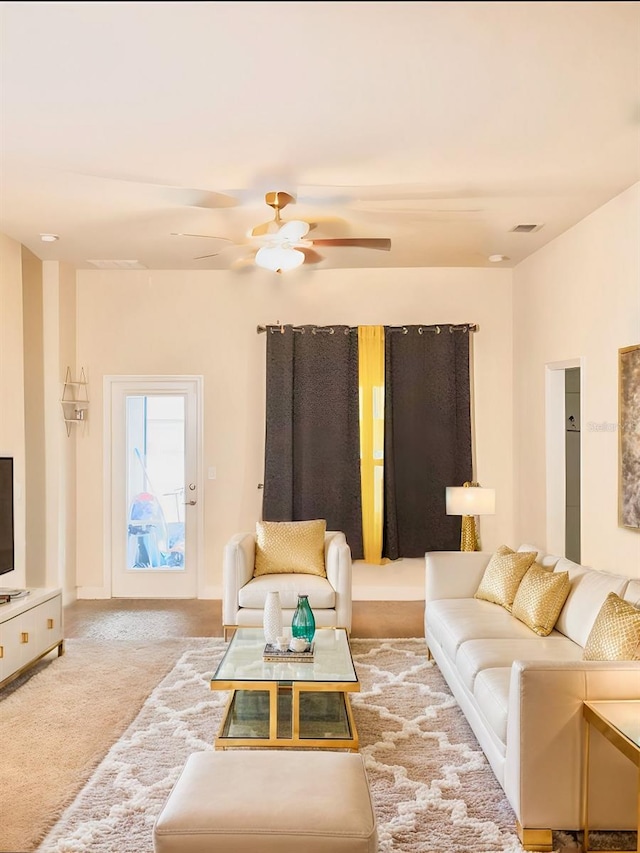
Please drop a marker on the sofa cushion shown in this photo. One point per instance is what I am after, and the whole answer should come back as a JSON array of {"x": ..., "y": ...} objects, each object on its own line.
[
  {"x": 474, "y": 656},
  {"x": 451, "y": 621},
  {"x": 589, "y": 588},
  {"x": 616, "y": 632},
  {"x": 491, "y": 692},
  {"x": 540, "y": 598},
  {"x": 321, "y": 594},
  {"x": 290, "y": 546},
  {"x": 632, "y": 593},
  {"x": 503, "y": 574},
  {"x": 547, "y": 561}
]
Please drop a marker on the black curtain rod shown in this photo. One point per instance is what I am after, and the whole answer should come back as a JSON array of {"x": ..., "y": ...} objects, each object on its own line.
[{"x": 434, "y": 327}]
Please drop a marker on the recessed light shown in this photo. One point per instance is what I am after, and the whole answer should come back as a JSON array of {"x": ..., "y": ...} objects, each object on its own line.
[
  {"x": 49, "y": 238},
  {"x": 495, "y": 259}
]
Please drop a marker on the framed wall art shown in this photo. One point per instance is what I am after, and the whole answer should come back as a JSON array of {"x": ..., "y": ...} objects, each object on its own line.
[{"x": 629, "y": 432}]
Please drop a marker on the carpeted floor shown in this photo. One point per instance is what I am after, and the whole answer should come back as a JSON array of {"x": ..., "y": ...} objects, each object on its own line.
[
  {"x": 58, "y": 720},
  {"x": 431, "y": 785}
]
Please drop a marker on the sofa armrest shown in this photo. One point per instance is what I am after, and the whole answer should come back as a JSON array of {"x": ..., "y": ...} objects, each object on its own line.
[
  {"x": 454, "y": 574},
  {"x": 237, "y": 570},
  {"x": 339, "y": 568},
  {"x": 545, "y": 744}
]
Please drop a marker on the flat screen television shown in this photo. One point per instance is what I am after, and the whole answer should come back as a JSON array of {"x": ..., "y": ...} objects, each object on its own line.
[{"x": 7, "y": 535}]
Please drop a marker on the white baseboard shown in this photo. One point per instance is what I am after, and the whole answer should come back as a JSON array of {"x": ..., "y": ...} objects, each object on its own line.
[
  {"x": 402, "y": 580},
  {"x": 92, "y": 592}
]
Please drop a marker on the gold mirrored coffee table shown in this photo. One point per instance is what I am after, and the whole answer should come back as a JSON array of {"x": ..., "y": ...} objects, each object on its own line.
[{"x": 287, "y": 704}]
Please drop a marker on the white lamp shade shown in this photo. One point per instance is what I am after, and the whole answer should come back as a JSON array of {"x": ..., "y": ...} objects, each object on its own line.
[
  {"x": 470, "y": 500},
  {"x": 278, "y": 259}
]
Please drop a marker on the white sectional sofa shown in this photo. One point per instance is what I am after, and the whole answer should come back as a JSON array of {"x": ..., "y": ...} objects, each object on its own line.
[{"x": 522, "y": 694}]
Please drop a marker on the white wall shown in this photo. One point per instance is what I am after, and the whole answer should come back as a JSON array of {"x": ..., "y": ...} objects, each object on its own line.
[
  {"x": 12, "y": 430},
  {"x": 35, "y": 460},
  {"x": 168, "y": 322},
  {"x": 59, "y": 345},
  {"x": 578, "y": 297}
]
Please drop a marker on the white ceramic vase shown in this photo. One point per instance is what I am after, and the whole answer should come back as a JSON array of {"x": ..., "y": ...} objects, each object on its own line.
[{"x": 272, "y": 617}]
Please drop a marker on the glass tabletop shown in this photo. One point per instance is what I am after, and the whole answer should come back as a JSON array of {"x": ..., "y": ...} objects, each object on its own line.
[
  {"x": 623, "y": 715},
  {"x": 332, "y": 661}
]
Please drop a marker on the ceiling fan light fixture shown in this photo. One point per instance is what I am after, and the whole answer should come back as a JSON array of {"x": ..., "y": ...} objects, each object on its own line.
[
  {"x": 278, "y": 259},
  {"x": 293, "y": 230}
]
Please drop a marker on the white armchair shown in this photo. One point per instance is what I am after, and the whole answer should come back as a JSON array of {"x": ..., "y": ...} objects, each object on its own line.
[{"x": 243, "y": 595}]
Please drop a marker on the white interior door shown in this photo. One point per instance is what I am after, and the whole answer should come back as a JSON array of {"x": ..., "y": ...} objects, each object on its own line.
[{"x": 155, "y": 491}]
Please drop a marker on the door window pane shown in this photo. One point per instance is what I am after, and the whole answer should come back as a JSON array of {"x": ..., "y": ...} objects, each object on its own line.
[{"x": 155, "y": 481}]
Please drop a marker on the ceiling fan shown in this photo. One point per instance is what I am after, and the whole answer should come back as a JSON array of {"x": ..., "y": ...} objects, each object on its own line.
[{"x": 285, "y": 245}]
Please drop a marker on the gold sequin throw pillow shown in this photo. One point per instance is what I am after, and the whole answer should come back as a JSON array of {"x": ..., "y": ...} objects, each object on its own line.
[
  {"x": 615, "y": 634},
  {"x": 503, "y": 574},
  {"x": 283, "y": 547},
  {"x": 540, "y": 598}
]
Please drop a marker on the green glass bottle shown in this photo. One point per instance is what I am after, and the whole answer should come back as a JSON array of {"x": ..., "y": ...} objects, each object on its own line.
[{"x": 303, "y": 623}]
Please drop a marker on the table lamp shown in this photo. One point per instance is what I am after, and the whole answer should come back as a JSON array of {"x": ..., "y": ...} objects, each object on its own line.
[{"x": 468, "y": 501}]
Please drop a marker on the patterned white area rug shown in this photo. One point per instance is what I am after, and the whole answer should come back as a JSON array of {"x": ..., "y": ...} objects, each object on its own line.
[{"x": 432, "y": 787}]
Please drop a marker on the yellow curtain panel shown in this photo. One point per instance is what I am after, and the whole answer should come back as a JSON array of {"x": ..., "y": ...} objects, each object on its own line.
[{"x": 371, "y": 381}]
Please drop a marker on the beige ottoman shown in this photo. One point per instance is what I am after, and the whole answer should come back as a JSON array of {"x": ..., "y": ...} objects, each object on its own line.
[{"x": 268, "y": 801}]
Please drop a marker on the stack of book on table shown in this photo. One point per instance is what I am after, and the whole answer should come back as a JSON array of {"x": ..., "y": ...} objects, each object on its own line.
[{"x": 272, "y": 654}]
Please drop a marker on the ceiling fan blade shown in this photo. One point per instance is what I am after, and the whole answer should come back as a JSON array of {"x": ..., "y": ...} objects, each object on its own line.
[
  {"x": 381, "y": 243},
  {"x": 207, "y": 236},
  {"x": 245, "y": 264},
  {"x": 220, "y": 250},
  {"x": 311, "y": 256},
  {"x": 202, "y": 257},
  {"x": 182, "y": 196},
  {"x": 200, "y": 198},
  {"x": 271, "y": 227}
]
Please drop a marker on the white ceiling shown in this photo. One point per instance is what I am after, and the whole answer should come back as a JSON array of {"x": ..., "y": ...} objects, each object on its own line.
[{"x": 440, "y": 125}]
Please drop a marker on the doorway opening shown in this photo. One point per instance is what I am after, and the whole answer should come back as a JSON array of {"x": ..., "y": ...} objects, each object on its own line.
[
  {"x": 563, "y": 458},
  {"x": 572, "y": 463}
]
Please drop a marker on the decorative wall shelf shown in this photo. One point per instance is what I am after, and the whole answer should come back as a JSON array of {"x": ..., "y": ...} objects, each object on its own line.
[{"x": 75, "y": 400}]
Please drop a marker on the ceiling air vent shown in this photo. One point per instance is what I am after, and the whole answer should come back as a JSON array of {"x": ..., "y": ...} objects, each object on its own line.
[
  {"x": 117, "y": 265},
  {"x": 526, "y": 229}
]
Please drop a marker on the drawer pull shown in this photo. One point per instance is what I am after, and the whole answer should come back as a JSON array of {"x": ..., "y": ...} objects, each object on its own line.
[
  {"x": 24, "y": 637},
  {"x": 1, "y": 651},
  {"x": 49, "y": 623}
]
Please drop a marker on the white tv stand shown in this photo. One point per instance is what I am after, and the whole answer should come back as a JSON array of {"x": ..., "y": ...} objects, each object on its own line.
[{"x": 30, "y": 628}]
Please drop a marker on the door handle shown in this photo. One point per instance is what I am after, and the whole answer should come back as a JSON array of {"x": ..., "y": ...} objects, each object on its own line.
[{"x": 190, "y": 503}]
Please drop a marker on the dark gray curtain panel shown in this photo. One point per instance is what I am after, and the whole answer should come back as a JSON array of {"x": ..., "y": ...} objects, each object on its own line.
[
  {"x": 312, "y": 442},
  {"x": 427, "y": 436}
]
